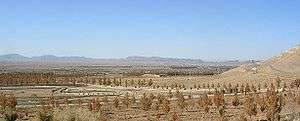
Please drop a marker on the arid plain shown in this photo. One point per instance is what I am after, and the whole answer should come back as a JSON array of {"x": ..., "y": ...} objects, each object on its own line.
[{"x": 151, "y": 91}]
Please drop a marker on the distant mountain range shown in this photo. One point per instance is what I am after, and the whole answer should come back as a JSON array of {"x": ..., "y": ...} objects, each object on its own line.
[
  {"x": 131, "y": 60},
  {"x": 13, "y": 57},
  {"x": 142, "y": 58},
  {"x": 18, "y": 57}
]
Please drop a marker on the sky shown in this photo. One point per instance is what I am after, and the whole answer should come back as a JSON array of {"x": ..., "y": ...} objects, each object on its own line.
[{"x": 200, "y": 29}]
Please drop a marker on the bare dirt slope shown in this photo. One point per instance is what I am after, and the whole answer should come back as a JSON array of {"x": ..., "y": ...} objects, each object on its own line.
[
  {"x": 285, "y": 63},
  {"x": 285, "y": 66}
]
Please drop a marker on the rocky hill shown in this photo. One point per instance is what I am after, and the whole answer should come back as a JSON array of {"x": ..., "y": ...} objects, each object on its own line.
[{"x": 285, "y": 66}]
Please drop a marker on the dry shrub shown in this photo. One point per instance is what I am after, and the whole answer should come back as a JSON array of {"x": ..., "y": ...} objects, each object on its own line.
[
  {"x": 205, "y": 102},
  {"x": 242, "y": 88},
  {"x": 12, "y": 101},
  {"x": 162, "y": 106},
  {"x": 44, "y": 115},
  {"x": 66, "y": 101},
  {"x": 116, "y": 102},
  {"x": 150, "y": 83},
  {"x": 235, "y": 89},
  {"x": 236, "y": 101},
  {"x": 8, "y": 105},
  {"x": 266, "y": 86},
  {"x": 181, "y": 102},
  {"x": 166, "y": 105},
  {"x": 222, "y": 111},
  {"x": 259, "y": 87},
  {"x": 219, "y": 99},
  {"x": 76, "y": 114},
  {"x": 160, "y": 98},
  {"x": 272, "y": 87},
  {"x": 95, "y": 105},
  {"x": 10, "y": 115},
  {"x": 262, "y": 103},
  {"x": 132, "y": 99},
  {"x": 79, "y": 101},
  {"x": 160, "y": 101},
  {"x": 274, "y": 105},
  {"x": 247, "y": 88},
  {"x": 250, "y": 106},
  {"x": 126, "y": 100},
  {"x": 253, "y": 88},
  {"x": 175, "y": 117},
  {"x": 190, "y": 102},
  {"x": 8, "y": 101},
  {"x": 2, "y": 101},
  {"x": 156, "y": 105},
  {"x": 146, "y": 102}
]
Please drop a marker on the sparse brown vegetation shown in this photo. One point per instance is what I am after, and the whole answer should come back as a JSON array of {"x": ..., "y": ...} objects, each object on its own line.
[{"x": 120, "y": 98}]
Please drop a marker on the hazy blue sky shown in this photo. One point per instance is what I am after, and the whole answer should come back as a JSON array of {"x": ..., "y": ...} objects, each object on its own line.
[{"x": 205, "y": 29}]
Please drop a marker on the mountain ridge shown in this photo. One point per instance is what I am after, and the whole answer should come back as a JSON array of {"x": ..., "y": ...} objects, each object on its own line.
[
  {"x": 130, "y": 60},
  {"x": 134, "y": 58}
]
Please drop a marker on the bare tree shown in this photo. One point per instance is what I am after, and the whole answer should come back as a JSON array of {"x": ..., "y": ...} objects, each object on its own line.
[{"x": 250, "y": 106}]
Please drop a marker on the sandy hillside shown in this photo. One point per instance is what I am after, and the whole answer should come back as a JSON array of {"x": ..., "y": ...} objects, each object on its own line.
[{"x": 285, "y": 66}]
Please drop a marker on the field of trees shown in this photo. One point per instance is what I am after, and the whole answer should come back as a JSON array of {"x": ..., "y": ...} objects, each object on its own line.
[{"x": 81, "y": 97}]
